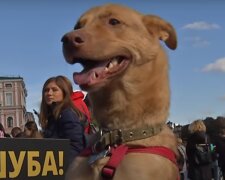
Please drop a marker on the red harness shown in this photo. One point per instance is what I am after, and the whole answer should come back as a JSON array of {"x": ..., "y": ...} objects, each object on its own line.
[{"x": 116, "y": 155}]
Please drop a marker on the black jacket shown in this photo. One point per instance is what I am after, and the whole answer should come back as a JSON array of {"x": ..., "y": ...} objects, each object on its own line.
[
  {"x": 220, "y": 149},
  {"x": 68, "y": 126},
  {"x": 197, "y": 172}
]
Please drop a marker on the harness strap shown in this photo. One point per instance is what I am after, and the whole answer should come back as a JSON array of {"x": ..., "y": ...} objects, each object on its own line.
[
  {"x": 117, "y": 155},
  {"x": 119, "y": 152}
]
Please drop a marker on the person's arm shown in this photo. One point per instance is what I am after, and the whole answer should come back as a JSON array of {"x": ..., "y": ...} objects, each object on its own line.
[{"x": 71, "y": 128}]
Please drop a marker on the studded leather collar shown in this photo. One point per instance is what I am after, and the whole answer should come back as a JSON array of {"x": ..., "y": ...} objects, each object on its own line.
[{"x": 119, "y": 136}]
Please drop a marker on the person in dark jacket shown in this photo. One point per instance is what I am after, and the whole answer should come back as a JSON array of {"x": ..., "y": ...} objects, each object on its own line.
[
  {"x": 220, "y": 149},
  {"x": 198, "y": 135},
  {"x": 59, "y": 118}
]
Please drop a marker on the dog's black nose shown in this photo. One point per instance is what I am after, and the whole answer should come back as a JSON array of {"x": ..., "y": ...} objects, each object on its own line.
[
  {"x": 74, "y": 39},
  {"x": 64, "y": 39}
]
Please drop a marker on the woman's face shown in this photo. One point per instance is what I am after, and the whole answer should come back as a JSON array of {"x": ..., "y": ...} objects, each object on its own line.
[{"x": 52, "y": 93}]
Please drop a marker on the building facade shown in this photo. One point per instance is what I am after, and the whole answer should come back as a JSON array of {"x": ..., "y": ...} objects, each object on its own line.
[{"x": 13, "y": 95}]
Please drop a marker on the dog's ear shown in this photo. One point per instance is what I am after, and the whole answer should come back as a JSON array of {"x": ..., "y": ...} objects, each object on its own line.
[{"x": 162, "y": 29}]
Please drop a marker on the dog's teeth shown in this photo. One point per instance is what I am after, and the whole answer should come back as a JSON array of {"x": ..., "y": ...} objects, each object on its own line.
[
  {"x": 106, "y": 69},
  {"x": 114, "y": 62},
  {"x": 95, "y": 75},
  {"x": 110, "y": 65}
]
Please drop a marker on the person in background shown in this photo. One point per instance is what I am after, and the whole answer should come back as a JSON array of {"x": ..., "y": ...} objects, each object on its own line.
[
  {"x": 197, "y": 130},
  {"x": 59, "y": 118},
  {"x": 31, "y": 130},
  {"x": 182, "y": 158},
  {"x": 219, "y": 142},
  {"x": 16, "y": 131},
  {"x": 3, "y": 134}
]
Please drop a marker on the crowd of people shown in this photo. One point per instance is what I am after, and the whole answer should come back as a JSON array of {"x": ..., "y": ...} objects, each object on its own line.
[
  {"x": 64, "y": 114},
  {"x": 202, "y": 157},
  {"x": 30, "y": 131}
]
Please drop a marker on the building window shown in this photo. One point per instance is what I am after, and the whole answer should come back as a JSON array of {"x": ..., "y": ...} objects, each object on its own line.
[
  {"x": 10, "y": 122},
  {"x": 9, "y": 99},
  {"x": 8, "y": 85}
]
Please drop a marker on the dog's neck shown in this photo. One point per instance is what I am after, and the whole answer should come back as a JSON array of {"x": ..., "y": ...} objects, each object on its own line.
[{"x": 136, "y": 100}]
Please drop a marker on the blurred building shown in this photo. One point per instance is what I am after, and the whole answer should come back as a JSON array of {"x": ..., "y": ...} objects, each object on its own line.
[{"x": 13, "y": 95}]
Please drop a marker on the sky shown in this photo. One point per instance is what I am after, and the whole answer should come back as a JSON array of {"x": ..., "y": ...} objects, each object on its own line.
[{"x": 30, "y": 47}]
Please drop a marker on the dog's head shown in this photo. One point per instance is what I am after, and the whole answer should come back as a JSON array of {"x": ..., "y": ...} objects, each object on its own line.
[{"x": 110, "y": 39}]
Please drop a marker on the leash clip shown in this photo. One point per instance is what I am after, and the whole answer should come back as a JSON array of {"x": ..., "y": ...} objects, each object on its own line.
[{"x": 98, "y": 156}]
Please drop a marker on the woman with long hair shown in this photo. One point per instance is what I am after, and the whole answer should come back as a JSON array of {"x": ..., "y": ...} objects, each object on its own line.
[{"x": 59, "y": 118}]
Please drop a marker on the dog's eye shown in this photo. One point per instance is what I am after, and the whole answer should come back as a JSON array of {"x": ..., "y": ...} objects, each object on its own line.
[{"x": 114, "y": 21}]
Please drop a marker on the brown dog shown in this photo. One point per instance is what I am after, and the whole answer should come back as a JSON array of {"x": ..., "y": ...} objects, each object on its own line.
[{"x": 126, "y": 75}]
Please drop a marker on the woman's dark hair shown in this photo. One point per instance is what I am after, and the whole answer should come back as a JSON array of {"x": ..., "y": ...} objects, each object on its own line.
[
  {"x": 15, "y": 131},
  {"x": 31, "y": 125},
  {"x": 33, "y": 128}
]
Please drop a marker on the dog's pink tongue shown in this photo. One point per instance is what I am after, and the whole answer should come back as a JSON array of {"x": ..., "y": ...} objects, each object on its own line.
[
  {"x": 82, "y": 78},
  {"x": 90, "y": 77}
]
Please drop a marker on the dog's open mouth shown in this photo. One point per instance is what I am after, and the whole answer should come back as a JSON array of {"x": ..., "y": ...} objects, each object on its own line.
[{"x": 96, "y": 72}]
